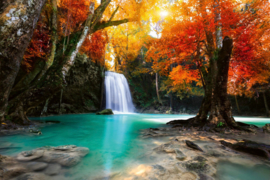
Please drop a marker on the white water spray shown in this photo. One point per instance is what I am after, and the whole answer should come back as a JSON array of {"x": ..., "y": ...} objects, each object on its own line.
[{"x": 118, "y": 96}]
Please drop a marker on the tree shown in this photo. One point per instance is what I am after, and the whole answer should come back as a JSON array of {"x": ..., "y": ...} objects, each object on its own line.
[
  {"x": 18, "y": 21},
  {"x": 189, "y": 41}
]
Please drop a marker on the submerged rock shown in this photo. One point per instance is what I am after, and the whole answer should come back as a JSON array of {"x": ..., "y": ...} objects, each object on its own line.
[
  {"x": 199, "y": 165},
  {"x": 193, "y": 145},
  {"x": 105, "y": 112},
  {"x": 179, "y": 155},
  {"x": 47, "y": 160}
]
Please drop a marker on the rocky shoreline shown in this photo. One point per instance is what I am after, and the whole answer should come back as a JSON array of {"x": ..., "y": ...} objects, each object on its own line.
[
  {"x": 41, "y": 163},
  {"x": 188, "y": 154},
  {"x": 179, "y": 152}
]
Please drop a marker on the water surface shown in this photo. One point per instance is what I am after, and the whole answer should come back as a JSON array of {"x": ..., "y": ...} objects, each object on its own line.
[{"x": 113, "y": 140}]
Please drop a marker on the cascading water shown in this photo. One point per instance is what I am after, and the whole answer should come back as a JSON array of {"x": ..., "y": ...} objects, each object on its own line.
[{"x": 118, "y": 96}]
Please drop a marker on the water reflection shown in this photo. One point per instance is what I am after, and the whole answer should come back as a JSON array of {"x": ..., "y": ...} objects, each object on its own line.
[{"x": 114, "y": 138}]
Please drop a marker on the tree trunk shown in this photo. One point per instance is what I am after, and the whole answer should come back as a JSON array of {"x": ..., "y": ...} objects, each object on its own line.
[
  {"x": 60, "y": 102},
  {"x": 237, "y": 105},
  {"x": 41, "y": 67},
  {"x": 265, "y": 104},
  {"x": 45, "y": 108},
  {"x": 19, "y": 115},
  {"x": 18, "y": 21},
  {"x": 102, "y": 88},
  {"x": 157, "y": 88},
  {"x": 216, "y": 100}
]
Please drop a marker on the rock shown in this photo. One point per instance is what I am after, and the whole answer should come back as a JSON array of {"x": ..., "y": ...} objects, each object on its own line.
[
  {"x": 38, "y": 132},
  {"x": 37, "y": 166},
  {"x": 164, "y": 148},
  {"x": 266, "y": 128},
  {"x": 205, "y": 177},
  {"x": 13, "y": 171},
  {"x": 180, "y": 155},
  {"x": 33, "y": 176},
  {"x": 250, "y": 147},
  {"x": 193, "y": 145},
  {"x": 168, "y": 149},
  {"x": 30, "y": 155},
  {"x": 160, "y": 170},
  {"x": 81, "y": 151},
  {"x": 188, "y": 176},
  {"x": 199, "y": 164},
  {"x": 53, "y": 169},
  {"x": 70, "y": 156},
  {"x": 65, "y": 159},
  {"x": 65, "y": 148},
  {"x": 105, "y": 112}
]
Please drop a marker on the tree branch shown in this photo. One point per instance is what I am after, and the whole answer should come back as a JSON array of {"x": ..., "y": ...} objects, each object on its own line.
[
  {"x": 103, "y": 25},
  {"x": 113, "y": 14}
]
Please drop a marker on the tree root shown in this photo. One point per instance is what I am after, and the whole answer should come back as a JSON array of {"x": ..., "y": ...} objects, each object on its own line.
[{"x": 195, "y": 122}]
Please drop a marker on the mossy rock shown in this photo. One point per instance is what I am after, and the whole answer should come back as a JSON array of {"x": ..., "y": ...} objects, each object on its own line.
[{"x": 105, "y": 112}]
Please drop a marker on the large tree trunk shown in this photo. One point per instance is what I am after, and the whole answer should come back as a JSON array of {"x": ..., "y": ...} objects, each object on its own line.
[
  {"x": 18, "y": 21},
  {"x": 220, "y": 104},
  {"x": 216, "y": 103}
]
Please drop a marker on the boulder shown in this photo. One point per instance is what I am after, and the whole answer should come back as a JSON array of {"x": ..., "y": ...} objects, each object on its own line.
[
  {"x": 105, "y": 112},
  {"x": 64, "y": 155}
]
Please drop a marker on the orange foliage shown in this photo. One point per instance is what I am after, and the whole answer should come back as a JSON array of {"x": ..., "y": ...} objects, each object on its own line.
[
  {"x": 38, "y": 48},
  {"x": 72, "y": 13},
  {"x": 184, "y": 41},
  {"x": 94, "y": 46}
]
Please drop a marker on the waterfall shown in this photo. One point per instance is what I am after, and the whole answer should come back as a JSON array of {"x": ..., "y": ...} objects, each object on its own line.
[{"x": 118, "y": 96}]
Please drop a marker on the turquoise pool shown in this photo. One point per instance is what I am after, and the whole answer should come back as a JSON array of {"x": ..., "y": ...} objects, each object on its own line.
[{"x": 113, "y": 140}]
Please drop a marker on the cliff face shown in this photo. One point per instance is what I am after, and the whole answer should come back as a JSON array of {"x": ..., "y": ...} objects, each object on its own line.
[{"x": 81, "y": 94}]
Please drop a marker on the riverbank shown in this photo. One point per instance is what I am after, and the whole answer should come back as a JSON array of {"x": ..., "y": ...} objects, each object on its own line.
[{"x": 193, "y": 155}]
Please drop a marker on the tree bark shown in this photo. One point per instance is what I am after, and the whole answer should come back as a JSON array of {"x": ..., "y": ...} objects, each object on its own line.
[
  {"x": 266, "y": 105},
  {"x": 157, "y": 88},
  {"x": 215, "y": 102},
  {"x": 18, "y": 21},
  {"x": 237, "y": 105}
]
